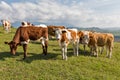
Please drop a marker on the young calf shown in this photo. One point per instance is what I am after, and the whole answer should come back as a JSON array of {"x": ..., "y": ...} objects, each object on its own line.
[{"x": 65, "y": 36}]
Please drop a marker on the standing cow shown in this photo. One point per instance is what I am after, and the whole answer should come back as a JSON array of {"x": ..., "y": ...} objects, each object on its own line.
[
  {"x": 65, "y": 36},
  {"x": 24, "y": 34},
  {"x": 96, "y": 40},
  {"x": 6, "y": 25}
]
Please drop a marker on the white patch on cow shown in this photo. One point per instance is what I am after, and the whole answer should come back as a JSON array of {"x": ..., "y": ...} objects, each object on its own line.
[
  {"x": 58, "y": 33},
  {"x": 25, "y": 42},
  {"x": 25, "y": 24},
  {"x": 41, "y": 25},
  {"x": 85, "y": 37},
  {"x": 74, "y": 30},
  {"x": 86, "y": 32},
  {"x": 69, "y": 35},
  {"x": 42, "y": 39}
]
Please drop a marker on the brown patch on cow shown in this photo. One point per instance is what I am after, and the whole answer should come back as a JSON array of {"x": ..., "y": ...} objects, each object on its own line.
[
  {"x": 73, "y": 34},
  {"x": 51, "y": 29}
]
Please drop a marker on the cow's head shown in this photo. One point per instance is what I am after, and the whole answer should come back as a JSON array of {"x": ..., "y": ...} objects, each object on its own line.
[
  {"x": 85, "y": 37},
  {"x": 58, "y": 33},
  {"x": 13, "y": 47}
]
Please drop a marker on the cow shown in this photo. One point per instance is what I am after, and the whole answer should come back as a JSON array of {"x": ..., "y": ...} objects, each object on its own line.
[
  {"x": 65, "y": 36},
  {"x": 6, "y": 25},
  {"x": 83, "y": 38},
  {"x": 101, "y": 40},
  {"x": 51, "y": 30},
  {"x": 24, "y": 34}
]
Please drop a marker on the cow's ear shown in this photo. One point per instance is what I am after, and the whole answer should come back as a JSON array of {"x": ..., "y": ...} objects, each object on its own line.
[
  {"x": 63, "y": 31},
  {"x": 6, "y": 42},
  {"x": 80, "y": 33}
]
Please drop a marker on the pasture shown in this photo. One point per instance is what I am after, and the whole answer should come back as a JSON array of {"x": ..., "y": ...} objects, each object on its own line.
[{"x": 52, "y": 67}]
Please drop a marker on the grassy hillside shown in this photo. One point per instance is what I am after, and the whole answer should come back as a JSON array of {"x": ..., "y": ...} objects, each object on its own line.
[{"x": 52, "y": 67}]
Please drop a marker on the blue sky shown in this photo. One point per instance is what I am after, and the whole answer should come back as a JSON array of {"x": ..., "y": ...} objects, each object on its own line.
[{"x": 78, "y": 13}]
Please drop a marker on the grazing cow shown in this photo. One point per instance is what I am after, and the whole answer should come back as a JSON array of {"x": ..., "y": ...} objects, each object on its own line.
[
  {"x": 51, "y": 30},
  {"x": 100, "y": 40},
  {"x": 6, "y": 25},
  {"x": 65, "y": 36},
  {"x": 24, "y": 34}
]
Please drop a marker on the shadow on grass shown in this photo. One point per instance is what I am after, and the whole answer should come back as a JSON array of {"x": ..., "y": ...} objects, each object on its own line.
[
  {"x": 4, "y": 55},
  {"x": 70, "y": 52},
  {"x": 33, "y": 56}
]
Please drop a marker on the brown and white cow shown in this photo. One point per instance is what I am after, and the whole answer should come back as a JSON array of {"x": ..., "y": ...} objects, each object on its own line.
[
  {"x": 101, "y": 40},
  {"x": 65, "y": 36},
  {"x": 6, "y": 25},
  {"x": 83, "y": 38},
  {"x": 24, "y": 34},
  {"x": 51, "y": 30}
]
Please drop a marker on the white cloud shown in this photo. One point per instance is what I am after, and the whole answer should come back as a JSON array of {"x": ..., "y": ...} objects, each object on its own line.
[{"x": 83, "y": 13}]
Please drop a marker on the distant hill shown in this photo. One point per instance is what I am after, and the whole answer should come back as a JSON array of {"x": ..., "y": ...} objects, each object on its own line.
[{"x": 91, "y": 29}]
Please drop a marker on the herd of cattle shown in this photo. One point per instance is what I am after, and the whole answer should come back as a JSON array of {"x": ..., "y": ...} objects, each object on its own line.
[{"x": 64, "y": 36}]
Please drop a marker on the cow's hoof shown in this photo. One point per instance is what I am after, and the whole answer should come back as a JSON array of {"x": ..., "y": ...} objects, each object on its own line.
[{"x": 24, "y": 58}]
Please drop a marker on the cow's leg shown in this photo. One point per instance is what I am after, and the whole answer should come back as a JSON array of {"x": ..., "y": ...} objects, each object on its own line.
[
  {"x": 44, "y": 46},
  {"x": 101, "y": 49},
  {"x": 9, "y": 29},
  {"x": 107, "y": 51},
  {"x": 84, "y": 47},
  {"x": 25, "y": 51},
  {"x": 109, "y": 54},
  {"x": 65, "y": 53},
  {"x": 44, "y": 50},
  {"x": 74, "y": 48},
  {"x": 110, "y": 51},
  {"x": 77, "y": 49},
  {"x": 91, "y": 50},
  {"x": 96, "y": 51}
]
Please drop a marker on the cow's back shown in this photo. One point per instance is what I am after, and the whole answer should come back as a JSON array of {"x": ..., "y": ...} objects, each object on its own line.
[
  {"x": 35, "y": 33},
  {"x": 31, "y": 32},
  {"x": 51, "y": 29},
  {"x": 101, "y": 39}
]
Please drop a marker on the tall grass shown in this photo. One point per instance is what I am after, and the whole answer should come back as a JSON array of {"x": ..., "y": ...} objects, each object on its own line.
[{"x": 52, "y": 67}]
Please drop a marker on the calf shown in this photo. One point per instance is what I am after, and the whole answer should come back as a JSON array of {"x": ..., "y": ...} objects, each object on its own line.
[
  {"x": 100, "y": 40},
  {"x": 65, "y": 36},
  {"x": 84, "y": 38},
  {"x": 24, "y": 34}
]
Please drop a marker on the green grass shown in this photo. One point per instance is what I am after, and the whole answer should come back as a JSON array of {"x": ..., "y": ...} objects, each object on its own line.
[{"x": 52, "y": 67}]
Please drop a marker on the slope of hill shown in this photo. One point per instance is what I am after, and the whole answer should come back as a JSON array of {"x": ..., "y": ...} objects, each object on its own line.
[{"x": 52, "y": 67}]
